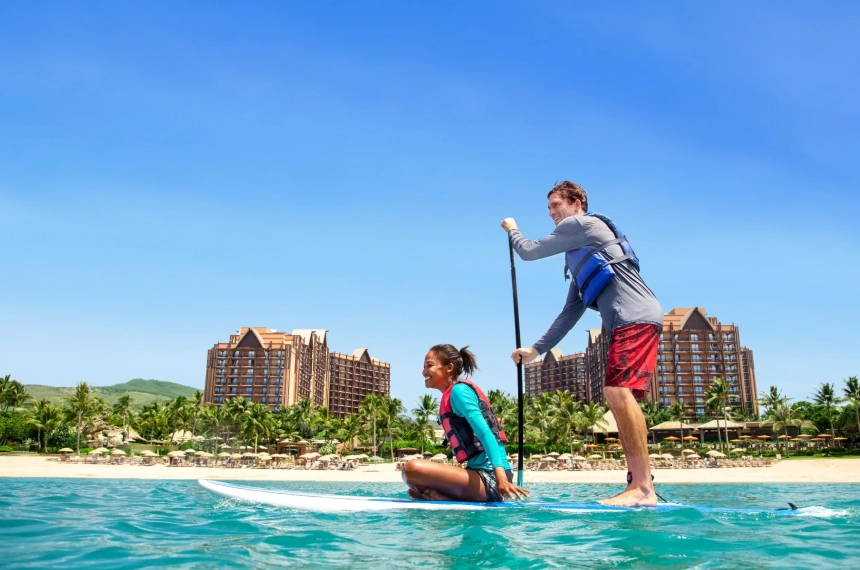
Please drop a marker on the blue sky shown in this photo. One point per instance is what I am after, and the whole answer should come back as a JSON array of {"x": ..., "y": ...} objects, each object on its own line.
[{"x": 170, "y": 172}]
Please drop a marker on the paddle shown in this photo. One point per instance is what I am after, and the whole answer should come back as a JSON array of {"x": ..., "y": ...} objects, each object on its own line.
[{"x": 519, "y": 368}]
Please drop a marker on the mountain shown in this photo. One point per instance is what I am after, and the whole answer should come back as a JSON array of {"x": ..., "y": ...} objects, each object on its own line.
[{"x": 142, "y": 392}]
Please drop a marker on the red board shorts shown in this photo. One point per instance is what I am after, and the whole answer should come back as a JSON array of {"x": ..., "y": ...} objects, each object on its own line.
[{"x": 632, "y": 358}]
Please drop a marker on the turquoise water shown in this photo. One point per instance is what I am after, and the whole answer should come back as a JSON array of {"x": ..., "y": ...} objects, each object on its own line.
[{"x": 113, "y": 523}]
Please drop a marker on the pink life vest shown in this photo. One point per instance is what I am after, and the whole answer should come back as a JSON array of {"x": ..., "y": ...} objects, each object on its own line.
[{"x": 461, "y": 437}]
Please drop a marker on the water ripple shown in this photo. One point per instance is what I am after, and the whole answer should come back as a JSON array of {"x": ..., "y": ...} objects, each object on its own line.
[{"x": 48, "y": 523}]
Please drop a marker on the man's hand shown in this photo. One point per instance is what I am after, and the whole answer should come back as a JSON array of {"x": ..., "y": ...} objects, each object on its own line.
[
  {"x": 524, "y": 355},
  {"x": 508, "y": 490},
  {"x": 509, "y": 224}
]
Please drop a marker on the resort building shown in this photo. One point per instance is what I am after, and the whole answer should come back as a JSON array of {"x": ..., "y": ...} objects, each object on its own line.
[
  {"x": 595, "y": 360},
  {"x": 354, "y": 376},
  {"x": 695, "y": 350},
  {"x": 270, "y": 367},
  {"x": 558, "y": 372}
]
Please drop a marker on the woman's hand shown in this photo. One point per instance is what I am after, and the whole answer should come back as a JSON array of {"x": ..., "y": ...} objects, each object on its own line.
[{"x": 506, "y": 489}]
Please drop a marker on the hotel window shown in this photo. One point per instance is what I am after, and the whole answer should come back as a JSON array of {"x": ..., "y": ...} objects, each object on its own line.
[
  {"x": 276, "y": 409},
  {"x": 235, "y": 353},
  {"x": 222, "y": 353},
  {"x": 221, "y": 371},
  {"x": 248, "y": 390},
  {"x": 233, "y": 390},
  {"x": 661, "y": 358},
  {"x": 219, "y": 380},
  {"x": 711, "y": 336},
  {"x": 278, "y": 391},
  {"x": 664, "y": 401},
  {"x": 218, "y": 399},
  {"x": 728, "y": 336},
  {"x": 694, "y": 336},
  {"x": 700, "y": 411},
  {"x": 663, "y": 347},
  {"x": 733, "y": 378},
  {"x": 233, "y": 380},
  {"x": 265, "y": 390},
  {"x": 677, "y": 347},
  {"x": 263, "y": 400},
  {"x": 697, "y": 358},
  {"x": 678, "y": 368},
  {"x": 249, "y": 380},
  {"x": 250, "y": 362},
  {"x": 681, "y": 400},
  {"x": 250, "y": 372},
  {"x": 730, "y": 347},
  {"x": 234, "y": 371},
  {"x": 265, "y": 380},
  {"x": 222, "y": 362},
  {"x": 247, "y": 398},
  {"x": 699, "y": 390},
  {"x": 694, "y": 347},
  {"x": 251, "y": 353}
]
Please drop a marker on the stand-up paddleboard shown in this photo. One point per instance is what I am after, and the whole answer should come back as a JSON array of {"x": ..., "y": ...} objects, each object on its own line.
[{"x": 319, "y": 503}]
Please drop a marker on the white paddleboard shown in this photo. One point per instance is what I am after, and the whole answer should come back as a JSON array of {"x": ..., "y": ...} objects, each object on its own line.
[{"x": 320, "y": 503}]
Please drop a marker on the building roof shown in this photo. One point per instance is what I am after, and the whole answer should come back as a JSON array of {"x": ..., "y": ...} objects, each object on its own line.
[
  {"x": 722, "y": 425},
  {"x": 306, "y": 334},
  {"x": 611, "y": 424},
  {"x": 671, "y": 425}
]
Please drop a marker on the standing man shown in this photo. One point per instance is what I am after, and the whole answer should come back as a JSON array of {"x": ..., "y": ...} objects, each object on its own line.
[{"x": 606, "y": 278}]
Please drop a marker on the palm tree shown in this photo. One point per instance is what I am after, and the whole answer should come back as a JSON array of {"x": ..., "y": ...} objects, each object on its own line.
[
  {"x": 772, "y": 398},
  {"x": 783, "y": 415},
  {"x": 349, "y": 429},
  {"x": 651, "y": 411},
  {"x": 567, "y": 417},
  {"x": 826, "y": 396},
  {"x": 369, "y": 409},
  {"x": 391, "y": 408},
  {"x": 123, "y": 409},
  {"x": 12, "y": 394},
  {"x": 717, "y": 399},
  {"x": 593, "y": 417},
  {"x": 80, "y": 403},
  {"x": 676, "y": 413},
  {"x": 852, "y": 394},
  {"x": 424, "y": 430},
  {"x": 256, "y": 421},
  {"x": 427, "y": 406},
  {"x": 196, "y": 405},
  {"x": 45, "y": 417}
]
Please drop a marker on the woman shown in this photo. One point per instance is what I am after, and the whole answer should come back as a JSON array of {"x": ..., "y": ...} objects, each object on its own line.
[{"x": 473, "y": 433}]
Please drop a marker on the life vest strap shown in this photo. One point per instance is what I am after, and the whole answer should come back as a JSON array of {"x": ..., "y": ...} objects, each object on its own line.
[
  {"x": 594, "y": 250},
  {"x": 601, "y": 266}
]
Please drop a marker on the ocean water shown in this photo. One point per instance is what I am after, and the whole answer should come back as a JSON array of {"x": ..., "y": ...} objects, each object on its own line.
[{"x": 114, "y": 523}]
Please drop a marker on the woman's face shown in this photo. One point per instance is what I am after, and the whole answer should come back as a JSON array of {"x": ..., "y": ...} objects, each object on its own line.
[{"x": 435, "y": 374}]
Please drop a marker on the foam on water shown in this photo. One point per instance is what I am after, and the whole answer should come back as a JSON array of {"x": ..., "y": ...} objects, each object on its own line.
[{"x": 49, "y": 523}]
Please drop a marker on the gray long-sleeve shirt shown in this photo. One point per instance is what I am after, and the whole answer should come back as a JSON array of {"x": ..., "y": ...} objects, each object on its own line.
[{"x": 626, "y": 300}]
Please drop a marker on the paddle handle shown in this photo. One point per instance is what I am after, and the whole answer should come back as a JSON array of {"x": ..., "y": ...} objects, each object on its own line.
[{"x": 520, "y": 415}]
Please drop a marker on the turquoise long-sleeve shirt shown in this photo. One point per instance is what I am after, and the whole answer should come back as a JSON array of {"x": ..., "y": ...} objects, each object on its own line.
[{"x": 464, "y": 403}]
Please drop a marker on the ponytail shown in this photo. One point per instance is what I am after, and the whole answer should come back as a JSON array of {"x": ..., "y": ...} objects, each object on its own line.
[{"x": 463, "y": 360}]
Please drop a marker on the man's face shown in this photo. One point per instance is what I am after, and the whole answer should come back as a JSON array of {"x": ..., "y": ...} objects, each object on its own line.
[{"x": 559, "y": 208}]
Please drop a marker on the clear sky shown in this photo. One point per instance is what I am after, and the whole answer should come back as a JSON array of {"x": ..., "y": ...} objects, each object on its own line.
[{"x": 172, "y": 171}]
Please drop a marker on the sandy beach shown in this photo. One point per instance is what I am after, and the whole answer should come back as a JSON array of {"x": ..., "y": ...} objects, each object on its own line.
[{"x": 788, "y": 471}]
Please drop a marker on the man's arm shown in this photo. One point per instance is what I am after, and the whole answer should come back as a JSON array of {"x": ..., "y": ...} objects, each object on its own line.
[
  {"x": 564, "y": 322},
  {"x": 566, "y": 236}
]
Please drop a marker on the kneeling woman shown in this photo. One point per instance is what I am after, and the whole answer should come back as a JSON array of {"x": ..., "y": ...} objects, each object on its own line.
[{"x": 473, "y": 433}]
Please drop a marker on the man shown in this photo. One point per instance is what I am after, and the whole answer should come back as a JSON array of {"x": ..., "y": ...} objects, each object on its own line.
[{"x": 605, "y": 277}]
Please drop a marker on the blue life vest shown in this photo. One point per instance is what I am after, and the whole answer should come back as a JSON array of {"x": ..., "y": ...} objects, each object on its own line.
[{"x": 592, "y": 269}]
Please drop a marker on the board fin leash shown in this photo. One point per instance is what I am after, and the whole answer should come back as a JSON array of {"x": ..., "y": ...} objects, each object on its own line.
[{"x": 630, "y": 480}]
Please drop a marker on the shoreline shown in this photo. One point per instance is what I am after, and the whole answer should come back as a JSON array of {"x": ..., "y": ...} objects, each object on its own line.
[{"x": 843, "y": 470}]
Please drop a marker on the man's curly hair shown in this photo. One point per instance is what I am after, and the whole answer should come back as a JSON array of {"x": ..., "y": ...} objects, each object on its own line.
[{"x": 571, "y": 192}]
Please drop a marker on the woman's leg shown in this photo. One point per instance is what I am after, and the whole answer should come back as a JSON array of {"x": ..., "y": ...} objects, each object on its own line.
[{"x": 432, "y": 481}]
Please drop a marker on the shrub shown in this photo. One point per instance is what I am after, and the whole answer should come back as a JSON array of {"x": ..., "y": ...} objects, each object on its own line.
[{"x": 5, "y": 449}]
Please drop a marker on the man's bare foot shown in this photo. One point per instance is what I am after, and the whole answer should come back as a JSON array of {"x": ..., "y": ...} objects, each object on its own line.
[
  {"x": 414, "y": 494},
  {"x": 632, "y": 497}
]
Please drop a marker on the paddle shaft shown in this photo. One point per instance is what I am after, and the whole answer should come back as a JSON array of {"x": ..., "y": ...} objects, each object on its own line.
[{"x": 521, "y": 422}]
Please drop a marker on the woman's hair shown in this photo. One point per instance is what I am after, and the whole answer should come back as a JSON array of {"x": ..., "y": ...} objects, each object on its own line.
[{"x": 463, "y": 359}]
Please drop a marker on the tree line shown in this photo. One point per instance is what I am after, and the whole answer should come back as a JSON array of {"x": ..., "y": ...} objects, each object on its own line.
[{"x": 553, "y": 421}]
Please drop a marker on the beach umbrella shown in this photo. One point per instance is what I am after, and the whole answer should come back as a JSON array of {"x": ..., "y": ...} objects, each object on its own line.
[
  {"x": 840, "y": 439},
  {"x": 67, "y": 450},
  {"x": 117, "y": 452},
  {"x": 804, "y": 435},
  {"x": 249, "y": 454},
  {"x": 655, "y": 456},
  {"x": 611, "y": 439},
  {"x": 148, "y": 453},
  {"x": 439, "y": 458},
  {"x": 223, "y": 454},
  {"x": 715, "y": 453},
  {"x": 825, "y": 435},
  {"x": 764, "y": 437},
  {"x": 235, "y": 456},
  {"x": 667, "y": 456},
  {"x": 737, "y": 450},
  {"x": 564, "y": 456},
  {"x": 737, "y": 441},
  {"x": 670, "y": 438},
  {"x": 93, "y": 452},
  {"x": 190, "y": 452},
  {"x": 578, "y": 458},
  {"x": 784, "y": 437},
  {"x": 553, "y": 453},
  {"x": 594, "y": 456},
  {"x": 311, "y": 455},
  {"x": 688, "y": 451},
  {"x": 549, "y": 459},
  {"x": 691, "y": 438},
  {"x": 375, "y": 458},
  {"x": 746, "y": 437}
]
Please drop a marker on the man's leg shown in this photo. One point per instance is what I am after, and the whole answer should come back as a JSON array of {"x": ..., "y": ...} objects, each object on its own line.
[{"x": 633, "y": 432}]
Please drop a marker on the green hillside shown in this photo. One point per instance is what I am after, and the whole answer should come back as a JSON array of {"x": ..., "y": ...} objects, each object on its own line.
[{"x": 142, "y": 392}]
